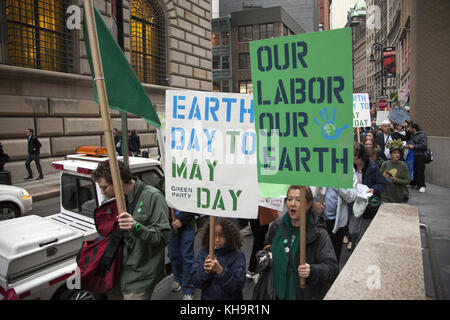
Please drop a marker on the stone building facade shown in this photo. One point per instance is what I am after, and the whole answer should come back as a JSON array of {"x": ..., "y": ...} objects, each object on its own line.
[{"x": 59, "y": 104}]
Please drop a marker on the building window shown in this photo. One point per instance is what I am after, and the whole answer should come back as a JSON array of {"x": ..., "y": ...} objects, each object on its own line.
[
  {"x": 225, "y": 38},
  {"x": 245, "y": 33},
  {"x": 147, "y": 42},
  {"x": 266, "y": 31},
  {"x": 36, "y": 35},
  {"x": 225, "y": 62},
  {"x": 221, "y": 85},
  {"x": 244, "y": 60},
  {"x": 216, "y": 62},
  {"x": 215, "y": 39},
  {"x": 245, "y": 86}
]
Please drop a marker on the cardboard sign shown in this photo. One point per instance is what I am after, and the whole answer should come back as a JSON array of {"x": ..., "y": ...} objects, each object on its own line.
[
  {"x": 303, "y": 93},
  {"x": 210, "y": 163},
  {"x": 398, "y": 115},
  {"x": 381, "y": 116},
  {"x": 361, "y": 110}
]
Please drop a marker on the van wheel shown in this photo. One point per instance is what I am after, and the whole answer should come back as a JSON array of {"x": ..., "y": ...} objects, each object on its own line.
[
  {"x": 8, "y": 211},
  {"x": 78, "y": 295}
]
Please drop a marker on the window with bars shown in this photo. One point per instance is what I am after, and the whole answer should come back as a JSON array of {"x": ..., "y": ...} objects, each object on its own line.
[
  {"x": 245, "y": 33},
  {"x": 36, "y": 35},
  {"x": 147, "y": 42},
  {"x": 266, "y": 31},
  {"x": 244, "y": 60},
  {"x": 245, "y": 86}
]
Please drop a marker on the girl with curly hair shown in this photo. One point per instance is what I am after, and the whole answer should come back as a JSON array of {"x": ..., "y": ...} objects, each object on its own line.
[{"x": 221, "y": 277}]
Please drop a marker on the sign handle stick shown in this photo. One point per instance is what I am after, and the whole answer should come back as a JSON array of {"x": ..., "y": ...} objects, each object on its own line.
[
  {"x": 212, "y": 222},
  {"x": 302, "y": 231},
  {"x": 103, "y": 101},
  {"x": 359, "y": 135}
]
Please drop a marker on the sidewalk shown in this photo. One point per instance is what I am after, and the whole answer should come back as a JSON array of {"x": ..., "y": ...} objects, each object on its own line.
[{"x": 41, "y": 189}]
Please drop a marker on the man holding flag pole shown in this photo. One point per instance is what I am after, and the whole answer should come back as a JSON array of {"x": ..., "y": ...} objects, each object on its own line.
[{"x": 148, "y": 228}]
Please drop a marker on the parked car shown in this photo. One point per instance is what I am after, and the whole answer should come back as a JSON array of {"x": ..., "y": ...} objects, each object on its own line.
[
  {"x": 14, "y": 202},
  {"x": 38, "y": 254}
]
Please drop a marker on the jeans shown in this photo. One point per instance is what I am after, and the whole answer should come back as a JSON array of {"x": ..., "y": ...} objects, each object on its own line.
[
  {"x": 181, "y": 255},
  {"x": 419, "y": 171},
  {"x": 33, "y": 157}
]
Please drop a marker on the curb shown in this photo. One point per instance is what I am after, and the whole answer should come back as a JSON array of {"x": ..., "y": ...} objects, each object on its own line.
[{"x": 45, "y": 195}]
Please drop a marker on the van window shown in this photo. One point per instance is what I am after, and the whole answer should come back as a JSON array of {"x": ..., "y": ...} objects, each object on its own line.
[
  {"x": 78, "y": 194},
  {"x": 151, "y": 178}
]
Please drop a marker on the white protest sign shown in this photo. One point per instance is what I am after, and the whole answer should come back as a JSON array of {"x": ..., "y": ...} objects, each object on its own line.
[
  {"x": 381, "y": 116},
  {"x": 361, "y": 110},
  {"x": 210, "y": 163},
  {"x": 273, "y": 203}
]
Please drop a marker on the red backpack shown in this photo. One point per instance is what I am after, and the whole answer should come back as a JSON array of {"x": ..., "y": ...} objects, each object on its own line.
[{"x": 100, "y": 260}]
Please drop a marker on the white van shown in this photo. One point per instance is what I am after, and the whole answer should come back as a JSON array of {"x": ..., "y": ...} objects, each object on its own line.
[{"x": 37, "y": 254}]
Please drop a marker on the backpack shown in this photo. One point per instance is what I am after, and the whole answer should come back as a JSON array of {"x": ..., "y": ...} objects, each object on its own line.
[
  {"x": 100, "y": 260},
  {"x": 428, "y": 155}
]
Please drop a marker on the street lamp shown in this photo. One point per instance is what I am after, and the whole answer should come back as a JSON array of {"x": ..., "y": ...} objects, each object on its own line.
[{"x": 378, "y": 46}]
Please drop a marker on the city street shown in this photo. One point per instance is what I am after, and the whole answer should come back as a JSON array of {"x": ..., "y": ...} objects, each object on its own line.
[{"x": 433, "y": 210}]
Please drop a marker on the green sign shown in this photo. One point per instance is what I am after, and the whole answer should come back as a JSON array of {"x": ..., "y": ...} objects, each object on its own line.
[{"x": 303, "y": 101}]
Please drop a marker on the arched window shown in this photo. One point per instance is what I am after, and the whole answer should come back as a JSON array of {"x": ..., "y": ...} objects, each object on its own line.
[
  {"x": 37, "y": 36},
  {"x": 147, "y": 42}
]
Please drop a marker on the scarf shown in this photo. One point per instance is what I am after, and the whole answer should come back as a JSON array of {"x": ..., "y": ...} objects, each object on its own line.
[{"x": 283, "y": 272}]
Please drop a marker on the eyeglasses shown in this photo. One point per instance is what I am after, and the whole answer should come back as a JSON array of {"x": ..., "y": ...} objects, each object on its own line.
[{"x": 103, "y": 188}]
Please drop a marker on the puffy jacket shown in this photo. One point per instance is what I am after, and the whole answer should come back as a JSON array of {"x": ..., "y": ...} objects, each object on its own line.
[
  {"x": 420, "y": 142},
  {"x": 319, "y": 255},
  {"x": 226, "y": 286},
  {"x": 372, "y": 177}
]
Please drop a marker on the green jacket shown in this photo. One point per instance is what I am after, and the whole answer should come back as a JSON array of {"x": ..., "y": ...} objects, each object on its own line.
[
  {"x": 395, "y": 190},
  {"x": 144, "y": 251}
]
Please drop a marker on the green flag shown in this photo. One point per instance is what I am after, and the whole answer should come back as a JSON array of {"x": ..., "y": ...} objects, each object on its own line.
[{"x": 123, "y": 88}]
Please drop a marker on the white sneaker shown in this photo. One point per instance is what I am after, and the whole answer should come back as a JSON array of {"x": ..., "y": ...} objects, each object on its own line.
[
  {"x": 188, "y": 297},
  {"x": 422, "y": 190},
  {"x": 176, "y": 286}
]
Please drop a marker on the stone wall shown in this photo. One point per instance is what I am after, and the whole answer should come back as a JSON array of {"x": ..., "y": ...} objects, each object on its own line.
[{"x": 60, "y": 107}]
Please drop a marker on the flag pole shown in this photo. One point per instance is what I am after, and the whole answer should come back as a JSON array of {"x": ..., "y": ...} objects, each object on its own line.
[
  {"x": 103, "y": 102},
  {"x": 302, "y": 231},
  {"x": 212, "y": 230}
]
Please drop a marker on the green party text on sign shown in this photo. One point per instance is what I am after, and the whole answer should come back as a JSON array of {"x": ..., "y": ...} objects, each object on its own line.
[{"x": 303, "y": 99}]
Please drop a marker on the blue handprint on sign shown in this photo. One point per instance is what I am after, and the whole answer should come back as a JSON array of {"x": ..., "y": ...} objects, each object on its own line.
[{"x": 328, "y": 128}]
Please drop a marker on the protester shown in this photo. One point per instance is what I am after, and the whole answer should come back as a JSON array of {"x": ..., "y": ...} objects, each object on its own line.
[
  {"x": 181, "y": 252},
  {"x": 4, "y": 158},
  {"x": 221, "y": 277},
  {"x": 149, "y": 232},
  {"x": 419, "y": 144},
  {"x": 34, "y": 147},
  {"x": 376, "y": 154},
  {"x": 321, "y": 266},
  {"x": 396, "y": 174},
  {"x": 335, "y": 214},
  {"x": 117, "y": 141},
  {"x": 369, "y": 174},
  {"x": 384, "y": 138},
  {"x": 134, "y": 143}
]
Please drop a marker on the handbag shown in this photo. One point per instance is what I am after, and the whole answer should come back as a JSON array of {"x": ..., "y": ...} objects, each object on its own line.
[
  {"x": 265, "y": 287},
  {"x": 100, "y": 260},
  {"x": 428, "y": 154},
  {"x": 372, "y": 208}
]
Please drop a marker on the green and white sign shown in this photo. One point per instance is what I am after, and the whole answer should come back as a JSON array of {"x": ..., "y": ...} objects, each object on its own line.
[
  {"x": 361, "y": 110},
  {"x": 303, "y": 99},
  {"x": 210, "y": 148}
]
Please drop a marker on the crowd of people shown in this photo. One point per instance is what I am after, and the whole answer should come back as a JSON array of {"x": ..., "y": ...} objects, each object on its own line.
[{"x": 379, "y": 166}]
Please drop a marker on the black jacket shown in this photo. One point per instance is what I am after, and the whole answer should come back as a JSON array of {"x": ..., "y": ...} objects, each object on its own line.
[
  {"x": 420, "y": 143},
  {"x": 134, "y": 143},
  {"x": 33, "y": 145},
  {"x": 373, "y": 178},
  {"x": 320, "y": 256}
]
